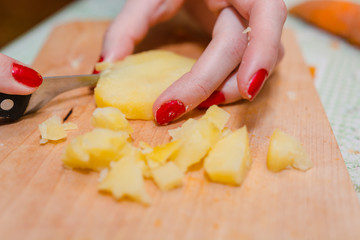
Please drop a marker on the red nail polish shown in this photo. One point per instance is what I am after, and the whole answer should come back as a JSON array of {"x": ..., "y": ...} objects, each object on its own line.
[
  {"x": 101, "y": 58},
  {"x": 26, "y": 76},
  {"x": 215, "y": 98},
  {"x": 256, "y": 82},
  {"x": 169, "y": 111}
]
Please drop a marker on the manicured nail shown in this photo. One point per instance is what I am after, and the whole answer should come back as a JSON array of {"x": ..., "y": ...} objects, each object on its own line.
[
  {"x": 26, "y": 76},
  {"x": 101, "y": 58},
  {"x": 256, "y": 82},
  {"x": 169, "y": 111},
  {"x": 215, "y": 98}
]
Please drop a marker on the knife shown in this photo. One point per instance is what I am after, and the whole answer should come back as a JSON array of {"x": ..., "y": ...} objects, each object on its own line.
[{"x": 14, "y": 107}]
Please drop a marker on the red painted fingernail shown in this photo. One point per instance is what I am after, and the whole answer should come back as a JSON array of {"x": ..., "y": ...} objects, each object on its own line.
[
  {"x": 26, "y": 76},
  {"x": 215, "y": 98},
  {"x": 256, "y": 82},
  {"x": 101, "y": 58},
  {"x": 169, "y": 111}
]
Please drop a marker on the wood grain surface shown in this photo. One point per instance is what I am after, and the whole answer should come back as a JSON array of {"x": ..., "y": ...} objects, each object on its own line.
[{"x": 40, "y": 199}]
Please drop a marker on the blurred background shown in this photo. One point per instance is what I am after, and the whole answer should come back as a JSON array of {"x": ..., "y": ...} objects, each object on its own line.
[{"x": 17, "y": 17}]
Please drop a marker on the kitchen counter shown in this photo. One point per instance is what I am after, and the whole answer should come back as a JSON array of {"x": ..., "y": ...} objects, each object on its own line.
[{"x": 336, "y": 63}]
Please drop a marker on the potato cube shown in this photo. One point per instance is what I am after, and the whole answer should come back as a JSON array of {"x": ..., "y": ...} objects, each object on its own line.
[
  {"x": 286, "y": 151},
  {"x": 217, "y": 116},
  {"x": 102, "y": 146},
  {"x": 110, "y": 118},
  {"x": 229, "y": 159},
  {"x": 168, "y": 176},
  {"x": 125, "y": 180},
  {"x": 197, "y": 136}
]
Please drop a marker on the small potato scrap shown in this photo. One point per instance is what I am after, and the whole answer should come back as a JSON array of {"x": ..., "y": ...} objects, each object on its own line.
[{"x": 53, "y": 129}]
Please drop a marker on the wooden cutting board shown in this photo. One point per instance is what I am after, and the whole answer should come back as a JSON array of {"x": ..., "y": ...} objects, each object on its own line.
[{"x": 40, "y": 199}]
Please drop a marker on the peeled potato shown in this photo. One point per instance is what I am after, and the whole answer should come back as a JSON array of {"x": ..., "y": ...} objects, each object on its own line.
[{"x": 132, "y": 85}]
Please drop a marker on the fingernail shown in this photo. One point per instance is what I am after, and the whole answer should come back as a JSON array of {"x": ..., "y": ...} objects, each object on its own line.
[
  {"x": 256, "y": 82},
  {"x": 26, "y": 76},
  {"x": 215, "y": 98},
  {"x": 101, "y": 58},
  {"x": 169, "y": 111}
]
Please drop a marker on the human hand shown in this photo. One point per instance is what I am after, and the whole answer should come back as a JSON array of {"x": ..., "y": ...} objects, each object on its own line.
[
  {"x": 16, "y": 78},
  {"x": 233, "y": 66}
]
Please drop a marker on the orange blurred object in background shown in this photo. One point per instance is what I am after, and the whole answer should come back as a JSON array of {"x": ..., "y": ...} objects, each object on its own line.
[{"x": 338, "y": 17}]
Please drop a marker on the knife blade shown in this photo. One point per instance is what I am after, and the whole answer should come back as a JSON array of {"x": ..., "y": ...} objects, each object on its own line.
[{"x": 15, "y": 106}]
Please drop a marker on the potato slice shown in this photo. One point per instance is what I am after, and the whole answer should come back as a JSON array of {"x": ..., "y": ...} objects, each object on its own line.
[
  {"x": 168, "y": 176},
  {"x": 132, "y": 85},
  {"x": 229, "y": 159},
  {"x": 125, "y": 180},
  {"x": 285, "y": 151},
  {"x": 110, "y": 118}
]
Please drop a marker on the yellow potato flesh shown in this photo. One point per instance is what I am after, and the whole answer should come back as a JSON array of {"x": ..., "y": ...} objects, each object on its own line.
[
  {"x": 168, "y": 176},
  {"x": 217, "y": 116},
  {"x": 110, "y": 118},
  {"x": 229, "y": 159},
  {"x": 198, "y": 136},
  {"x": 101, "y": 145},
  {"x": 133, "y": 84},
  {"x": 286, "y": 151},
  {"x": 125, "y": 180},
  {"x": 52, "y": 129}
]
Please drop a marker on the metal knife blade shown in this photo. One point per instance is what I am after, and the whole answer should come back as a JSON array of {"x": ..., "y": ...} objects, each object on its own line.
[{"x": 15, "y": 106}]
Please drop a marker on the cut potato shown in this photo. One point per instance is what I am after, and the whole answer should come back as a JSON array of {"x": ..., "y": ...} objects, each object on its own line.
[
  {"x": 110, "y": 118},
  {"x": 168, "y": 176},
  {"x": 229, "y": 159},
  {"x": 101, "y": 146},
  {"x": 286, "y": 151},
  {"x": 52, "y": 129},
  {"x": 197, "y": 136},
  {"x": 217, "y": 116},
  {"x": 125, "y": 180},
  {"x": 132, "y": 85},
  {"x": 162, "y": 153}
]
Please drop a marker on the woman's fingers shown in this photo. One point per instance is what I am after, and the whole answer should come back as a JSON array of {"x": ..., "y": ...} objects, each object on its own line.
[
  {"x": 133, "y": 23},
  {"x": 228, "y": 92},
  {"x": 219, "y": 59},
  {"x": 266, "y": 19},
  {"x": 16, "y": 78}
]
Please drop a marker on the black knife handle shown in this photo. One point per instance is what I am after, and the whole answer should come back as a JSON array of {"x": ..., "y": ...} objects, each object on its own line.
[{"x": 13, "y": 106}]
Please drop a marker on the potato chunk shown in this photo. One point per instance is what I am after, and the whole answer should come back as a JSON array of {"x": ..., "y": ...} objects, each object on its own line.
[
  {"x": 168, "y": 176},
  {"x": 96, "y": 149},
  {"x": 229, "y": 160},
  {"x": 125, "y": 180},
  {"x": 285, "y": 151},
  {"x": 196, "y": 136},
  {"x": 132, "y": 85},
  {"x": 110, "y": 118}
]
